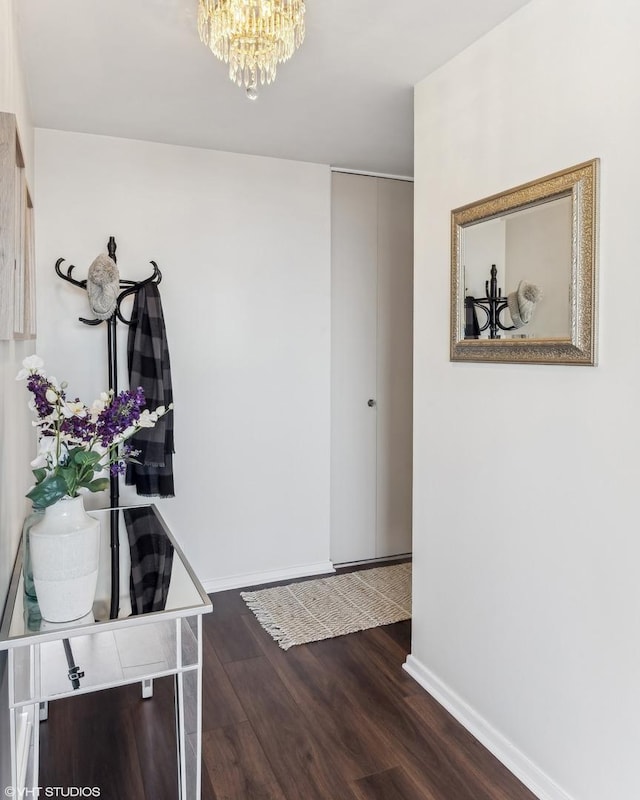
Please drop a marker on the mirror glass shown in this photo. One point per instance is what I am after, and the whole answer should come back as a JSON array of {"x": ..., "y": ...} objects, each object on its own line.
[{"x": 523, "y": 272}]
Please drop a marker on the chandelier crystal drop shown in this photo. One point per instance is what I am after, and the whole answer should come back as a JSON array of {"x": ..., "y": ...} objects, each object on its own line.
[{"x": 252, "y": 36}]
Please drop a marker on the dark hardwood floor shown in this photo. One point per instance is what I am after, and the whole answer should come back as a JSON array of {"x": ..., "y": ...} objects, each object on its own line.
[{"x": 332, "y": 720}]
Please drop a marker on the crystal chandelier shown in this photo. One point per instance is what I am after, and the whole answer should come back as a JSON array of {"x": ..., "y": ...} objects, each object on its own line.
[{"x": 252, "y": 36}]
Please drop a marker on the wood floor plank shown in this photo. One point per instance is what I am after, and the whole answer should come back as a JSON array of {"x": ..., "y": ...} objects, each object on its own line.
[
  {"x": 419, "y": 752},
  {"x": 298, "y": 759},
  {"x": 105, "y": 756},
  {"x": 220, "y": 704},
  {"x": 393, "y": 784},
  {"x": 351, "y": 739},
  {"x": 386, "y": 656},
  {"x": 467, "y": 751},
  {"x": 226, "y": 604},
  {"x": 231, "y": 641},
  {"x": 237, "y": 766},
  {"x": 207, "y": 792},
  {"x": 400, "y": 632},
  {"x": 152, "y": 723}
]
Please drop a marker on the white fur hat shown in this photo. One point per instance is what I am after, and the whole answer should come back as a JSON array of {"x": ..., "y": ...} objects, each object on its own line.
[
  {"x": 103, "y": 285},
  {"x": 522, "y": 302}
]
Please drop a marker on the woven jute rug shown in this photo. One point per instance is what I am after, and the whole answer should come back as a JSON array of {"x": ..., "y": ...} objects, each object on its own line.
[{"x": 320, "y": 609}]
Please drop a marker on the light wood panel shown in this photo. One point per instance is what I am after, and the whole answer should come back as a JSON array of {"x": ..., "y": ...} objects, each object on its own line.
[{"x": 17, "y": 251}]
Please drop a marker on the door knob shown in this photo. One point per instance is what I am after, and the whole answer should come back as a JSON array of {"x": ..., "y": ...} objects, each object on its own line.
[{"x": 371, "y": 402}]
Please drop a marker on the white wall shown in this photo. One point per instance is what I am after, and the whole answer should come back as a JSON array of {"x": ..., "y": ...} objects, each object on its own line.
[
  {"x": 16, "y": 434},
  {"x": 243, "y": 243},
  {"x": 527, "y": 596}
]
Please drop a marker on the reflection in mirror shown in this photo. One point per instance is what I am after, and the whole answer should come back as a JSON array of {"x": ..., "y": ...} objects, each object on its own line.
[
  {"x": 529, "y": 248},
  {"x": 523, "y": 272}
]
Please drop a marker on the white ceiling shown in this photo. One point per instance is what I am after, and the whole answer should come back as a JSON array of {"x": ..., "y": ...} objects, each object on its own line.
[{"x": 137, "y": 69}]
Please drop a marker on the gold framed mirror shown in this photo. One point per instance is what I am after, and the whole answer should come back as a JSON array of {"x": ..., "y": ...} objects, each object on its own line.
[{"x": 523, "y": 272}]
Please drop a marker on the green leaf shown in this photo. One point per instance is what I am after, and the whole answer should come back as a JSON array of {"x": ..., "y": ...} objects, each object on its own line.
[
  {"x": 49, "y": 491},
  {"x": 99, "y": 485},
  {"x": 83, "y": 457},
  {"x": 39, "y": 474},
  {"x": 70, "y": 477}
]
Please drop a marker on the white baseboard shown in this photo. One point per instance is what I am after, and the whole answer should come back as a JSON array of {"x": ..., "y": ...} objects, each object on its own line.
[
  {"x": 514, "y": 760},
  {"x": 248, "y": 579}
]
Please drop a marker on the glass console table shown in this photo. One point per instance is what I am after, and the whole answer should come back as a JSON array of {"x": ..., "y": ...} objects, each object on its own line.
[{"x": 158, "y": 632}]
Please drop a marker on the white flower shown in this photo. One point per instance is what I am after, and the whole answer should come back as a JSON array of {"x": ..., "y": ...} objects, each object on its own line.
[
  {"x": 33, "y": 362},
  {"x": 30, "y": 364},
  {"x": 98, "y": 406},
  {"x": 147, "y": 419},
  {"x": 46, "y": 453},
  {"x": 74, "y": 409},
  {"x": 51, "y": 395},
  {"x": 122, "y": 437}
]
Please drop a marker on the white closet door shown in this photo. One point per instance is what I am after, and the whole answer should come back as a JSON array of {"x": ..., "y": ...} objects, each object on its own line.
[
  {"x": 371, "y": 354},
  {"x": 353, "y": 367},
  {"x": 394, "y": 367}
]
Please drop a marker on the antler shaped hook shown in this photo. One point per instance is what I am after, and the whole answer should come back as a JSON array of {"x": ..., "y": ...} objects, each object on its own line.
[
  {"x": 67, "y": 276},
  {"x": 81, "y": 284},
  {"x": 155, "y": 277}
]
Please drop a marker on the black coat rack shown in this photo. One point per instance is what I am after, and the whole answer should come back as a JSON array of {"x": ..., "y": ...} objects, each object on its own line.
[
  {"x": 493, "y": 305},
  {"x": 128, "y": 288}
]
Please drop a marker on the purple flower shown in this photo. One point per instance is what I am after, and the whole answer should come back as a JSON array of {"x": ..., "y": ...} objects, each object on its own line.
[
  {"x": 121, "y": 413},
  {"x": 81, "y": 429},
  {"x": 37, "y": 384}
]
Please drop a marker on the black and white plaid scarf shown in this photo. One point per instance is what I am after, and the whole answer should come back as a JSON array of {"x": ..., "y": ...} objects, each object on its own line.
[
  {"x": 149, "y": 367},
  {"x": 151, "y": 561}
]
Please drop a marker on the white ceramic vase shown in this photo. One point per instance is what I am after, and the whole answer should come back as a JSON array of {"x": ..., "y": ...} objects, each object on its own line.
[{"x": 65, "y": 548}]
